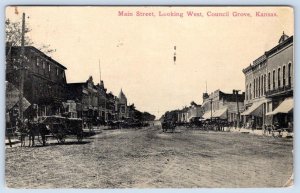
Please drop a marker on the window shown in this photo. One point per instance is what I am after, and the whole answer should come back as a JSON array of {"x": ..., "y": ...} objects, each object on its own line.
[
  {"x": 246, "y": 92},
  {"x": 44, "y": 64},
  {"x": 254, "y": 89},
  {"x": 283, "y": 76},
  {"x": 278, "y": 77},
  {"x": 37, "y": 61},
  {"x": 56, "y": 71},
  {"x": 269, "y": 81},
  {"x": 273, "y": 79},
  {"x": 259, "y": 86},
  {"x": 262, "y": 85},
  {"x": 265, "y": 77},
  {"x": 250, "y": 92},
  {"x": 49, "y": 67},
  {"x": 63, "y": 74},
  {"x": 290, "y": 74}
]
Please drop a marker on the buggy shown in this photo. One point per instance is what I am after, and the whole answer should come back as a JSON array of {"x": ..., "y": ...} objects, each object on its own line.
[{"x": 61, "y": 127}]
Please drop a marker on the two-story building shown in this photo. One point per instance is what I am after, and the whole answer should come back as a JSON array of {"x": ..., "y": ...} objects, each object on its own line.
[
  {"x": 222, "y": 105},
  {"x": 87, "y": 95},
  {"x": 111, "y": 106},
  {"x": 102, "y": 101},
  {"x": 44, "y": 80},
  {"x": 186, "y": 114},
  {"x": 269, "y": 86}
]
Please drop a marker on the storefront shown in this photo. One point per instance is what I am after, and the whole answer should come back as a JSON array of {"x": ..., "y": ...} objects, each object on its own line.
[{"x": 282, "y": 115}]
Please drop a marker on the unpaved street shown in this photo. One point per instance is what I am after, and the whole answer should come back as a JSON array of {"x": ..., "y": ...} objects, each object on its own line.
[{"x": 149, "y": 158}]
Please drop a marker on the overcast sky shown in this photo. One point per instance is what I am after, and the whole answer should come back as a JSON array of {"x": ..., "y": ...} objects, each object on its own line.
[{"x": 136, "y": 53}]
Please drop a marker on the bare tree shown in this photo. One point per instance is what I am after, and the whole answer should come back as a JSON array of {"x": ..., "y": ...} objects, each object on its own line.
[{"x": 13, "y": 32}]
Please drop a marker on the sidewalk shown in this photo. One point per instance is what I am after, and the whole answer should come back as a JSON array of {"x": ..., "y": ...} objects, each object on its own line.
[
  {"x": 260, "y": 132},
  {"x": 13, "y": 141}
]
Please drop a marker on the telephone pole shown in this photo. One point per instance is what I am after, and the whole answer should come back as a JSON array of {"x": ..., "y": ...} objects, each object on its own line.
[
  {"x": 211, "y": 102},
  {"x": 22, "y": 68},
  {"x": 236, "y": 92}
]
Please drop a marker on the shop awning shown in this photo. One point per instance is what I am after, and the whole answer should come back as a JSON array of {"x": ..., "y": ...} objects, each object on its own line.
[
  {"x": 285, "y": 107},
  {"x": 221, "y": 113},
  {"x": 254, "y": 109},
  {"x": 206, "y": 115}
]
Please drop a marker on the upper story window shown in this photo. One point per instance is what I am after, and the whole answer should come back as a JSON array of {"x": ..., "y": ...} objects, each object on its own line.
[
  {"x": 56, "y": 71},
  {"x": 283, "y": 76},
  {"x": 254, "y": 89},
  {"x": 38, "y": 61},
  {"x": 273, "y": 79},
  {"x": 262, "y": 85},
  {"x": 250, "y": 91},
  {"x": 290, "y": 74},
  {"x": 246, "y": 93},
  {"x": 49, "y": 67},
  {"x": 258, "y": 87},
  {"x": 278, "y": 77},
  {"x": 265, "y": 77},
  {"x": 44, "y": 64},
  {"x": 269, "y": 81}
]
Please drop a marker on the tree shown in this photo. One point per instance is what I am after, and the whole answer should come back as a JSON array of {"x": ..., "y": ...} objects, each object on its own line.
[
  {"x": 13, "y": 37},
  {"x": 13, "y": 32}
]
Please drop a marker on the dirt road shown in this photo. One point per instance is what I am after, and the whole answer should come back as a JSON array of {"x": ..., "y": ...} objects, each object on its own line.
[{"x": 148, "y": 158}]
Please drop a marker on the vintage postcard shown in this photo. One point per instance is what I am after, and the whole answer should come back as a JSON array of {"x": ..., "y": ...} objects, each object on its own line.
[{"x": 149, "y": 96}]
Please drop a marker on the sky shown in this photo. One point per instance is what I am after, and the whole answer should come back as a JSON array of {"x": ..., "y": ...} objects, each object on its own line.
[{"x": 136, "y": 52}]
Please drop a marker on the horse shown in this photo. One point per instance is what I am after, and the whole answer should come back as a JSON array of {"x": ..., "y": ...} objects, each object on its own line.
[
  {"x": 37, "y": 129},
  {"x": 22, "y": 129}
]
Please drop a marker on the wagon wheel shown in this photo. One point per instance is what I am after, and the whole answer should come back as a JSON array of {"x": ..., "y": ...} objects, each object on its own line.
[
  {"x": 80, "y": 137},
  {"x": 61, "y": 135},
  {"x": 61, "y": 138}
]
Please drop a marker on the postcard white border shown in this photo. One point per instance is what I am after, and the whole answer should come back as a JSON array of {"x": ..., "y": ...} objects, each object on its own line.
[{"x": 293, "y": 3}]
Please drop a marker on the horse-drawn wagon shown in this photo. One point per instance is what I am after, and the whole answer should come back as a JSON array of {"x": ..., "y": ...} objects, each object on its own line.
[{"x": 61, "y": 127}]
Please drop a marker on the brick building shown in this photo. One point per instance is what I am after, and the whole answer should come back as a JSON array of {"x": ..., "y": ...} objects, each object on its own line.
[
  {"x": 44, "y": 80},
  {"x": 182, "y": 115},
  {"x": 111, "y": 106},
  {"x": 102, "y": 101},
  {"x": 222, "y": 105},
  {"x": 268, "y": 83},
  {"x": 187, "y": 113},
  {"x": 86, "y": 95}
]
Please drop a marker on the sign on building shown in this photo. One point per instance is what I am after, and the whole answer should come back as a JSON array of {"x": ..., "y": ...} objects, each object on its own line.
[{"x": 12, "y": 97}]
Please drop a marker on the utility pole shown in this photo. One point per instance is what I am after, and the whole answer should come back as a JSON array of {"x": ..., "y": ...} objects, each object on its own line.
[
  {"x": 22, "y": 68},
  {"x": 211, "y": 109},
  {"x": 236, "y": 92},
  {"x": 100, "y": 71},
  {"x": 99, "y": 97}
]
